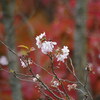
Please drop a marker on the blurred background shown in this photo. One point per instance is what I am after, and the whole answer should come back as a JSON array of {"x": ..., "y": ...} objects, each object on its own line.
[{"x": 75, "y": 23}]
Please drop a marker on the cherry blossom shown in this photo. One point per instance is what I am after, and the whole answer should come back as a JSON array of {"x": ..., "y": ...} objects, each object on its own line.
[
  {"x": 73, "y": 86},
  {"x": 35, "y": 78},
  {"x": 39, "y": 39},
  {"x": 55, "y": 84},
  {"x": 62, "y": 54},
  {"x": 25, "y": 63},
  {"x": 47, "y": 46}
]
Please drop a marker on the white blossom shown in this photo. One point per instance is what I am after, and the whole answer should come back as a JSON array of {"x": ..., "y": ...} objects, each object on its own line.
[
  {"x": 30, "y": 61},
  {"x": 73, "y": 86},
  {"x": 55, "y": 84},
  {"x": 65, "y": 50},
  {"x": 25, "y": 63},
  {"x": 39, "y": 39},
  {"x": 36, "y": 77},
  {"x": 47, "y": 46},
  {"x": 62, "y": 54},
  {"x": 3, "y": 60}
]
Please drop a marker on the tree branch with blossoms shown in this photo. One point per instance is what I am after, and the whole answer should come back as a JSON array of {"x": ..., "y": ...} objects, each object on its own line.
[{"x": 57, "y": 89}]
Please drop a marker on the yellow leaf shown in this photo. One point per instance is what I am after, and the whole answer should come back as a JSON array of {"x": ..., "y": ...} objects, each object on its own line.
[
  {"x": 11, "y": 71},
  {"x": 23, "y": 46}
]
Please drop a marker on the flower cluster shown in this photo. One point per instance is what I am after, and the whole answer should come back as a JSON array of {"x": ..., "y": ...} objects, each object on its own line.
[
  {"x": 40, "y": 39},
  {"x": 25, "y": 63},
  {"x": 73, "y": 86},
  {"x": 62, "y": 53},
  {"x": 46, "y": 46}
]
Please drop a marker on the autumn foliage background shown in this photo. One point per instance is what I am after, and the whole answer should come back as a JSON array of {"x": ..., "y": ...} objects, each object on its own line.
[{"x": 56, "y": 18}]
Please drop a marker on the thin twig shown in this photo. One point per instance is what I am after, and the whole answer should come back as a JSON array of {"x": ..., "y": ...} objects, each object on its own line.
[
  {"x": 46, "y": 95},
  {"x": 52, "y": 67},
  {"x": 78, "y": 80},
  {"x": 8, "y": 48}
]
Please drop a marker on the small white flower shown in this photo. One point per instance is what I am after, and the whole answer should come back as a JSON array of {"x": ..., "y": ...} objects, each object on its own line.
[
  {"x": 25, "y": 63},
  {"x": 65, "y": 50},
  {"x": 39, "y": 39},
  {"x": 62, "y": 54},
  {"x": 55, "y": 84},
  {"x": 38, "y": 76},
  {"x": 47, "y": 46},
  {"x": 3, "y": 60},
  {"x": 35, "y": 78},
  {"x": 73, "y": 86},
  {"x": 30, "y": 61}
]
